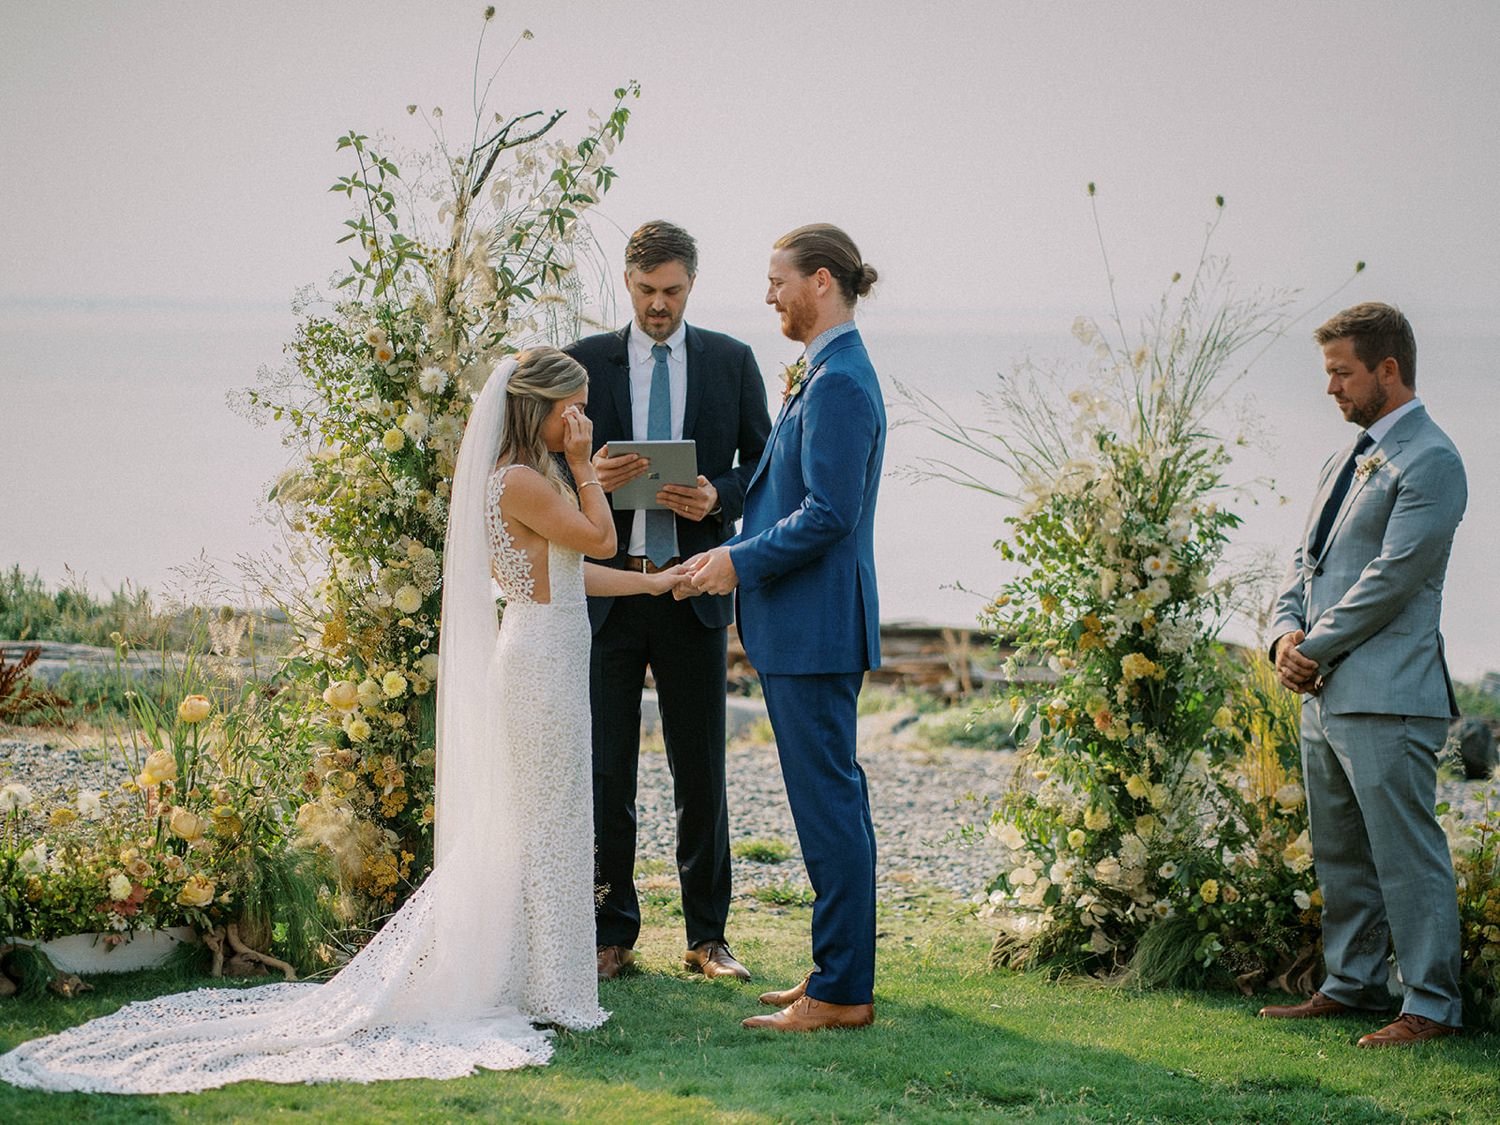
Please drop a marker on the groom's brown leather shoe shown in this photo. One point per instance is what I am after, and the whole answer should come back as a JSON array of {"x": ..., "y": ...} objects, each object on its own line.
[
  {"x": 713, "y": 959},
  {"x": 1313, "y": 1007},
  {"x": 807, "y": 1014},
  {"x": 1405, "y": 1030},
  {"x": 786, "y": 995},
  {"x": 615, "y": 960}
]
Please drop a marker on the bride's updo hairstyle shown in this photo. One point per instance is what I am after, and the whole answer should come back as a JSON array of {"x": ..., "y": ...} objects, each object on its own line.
[
  {"x": 542, "y": 377},
  {"x": 824, "y": 246}
]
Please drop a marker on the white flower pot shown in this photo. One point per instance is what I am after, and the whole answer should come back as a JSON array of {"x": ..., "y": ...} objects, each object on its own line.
[{"x": 85, "y": 954}]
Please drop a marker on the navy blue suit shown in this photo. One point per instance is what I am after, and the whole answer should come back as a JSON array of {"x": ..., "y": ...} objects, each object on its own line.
[
  {"x": 683, "y": 643},
  {"x": 809, "y": 618}
]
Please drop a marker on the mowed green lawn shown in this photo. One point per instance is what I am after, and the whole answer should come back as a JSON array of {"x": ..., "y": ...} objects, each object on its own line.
[{"x": 951, "y": 1042}]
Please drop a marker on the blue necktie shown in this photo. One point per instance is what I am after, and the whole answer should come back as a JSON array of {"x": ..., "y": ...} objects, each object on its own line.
[
  {"x": 661, "y": 526},
  {"x": 1336, "y": 497}
]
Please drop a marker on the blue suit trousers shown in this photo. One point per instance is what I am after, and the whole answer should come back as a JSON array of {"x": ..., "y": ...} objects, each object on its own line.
[{"x": 815, "y": 718}]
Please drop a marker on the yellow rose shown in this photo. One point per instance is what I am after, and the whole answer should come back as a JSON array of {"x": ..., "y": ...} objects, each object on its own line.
[
  {"x": 1209, "y": 891},
  {"x": 408, "y": 599},
  {"x": 194, "y": 709},
  {"x": 356, "y": 728},
  {"x": 393, "y": 684},
  {"x": 160, "y": 766},
  {"x": 120, "y": 887},
  {"x": 185, "y": 825},
  {"x": 393, "y": 439},
  {"x": 197, "y": 891},
  {"x": 1095, "y": 819},
  {"x": 341, "y": 695},
  {"x": 1137, "y": 787}
]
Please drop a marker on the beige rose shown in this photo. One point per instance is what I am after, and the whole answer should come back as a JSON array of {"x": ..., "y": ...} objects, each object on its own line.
[
  {"x": 194, "y": 709},
  {"x": 160, "y": 766},
  {"x": 197, "y": 891},
  {"x": 185, "y": 825},
  {"x": 341, "y": 695}
]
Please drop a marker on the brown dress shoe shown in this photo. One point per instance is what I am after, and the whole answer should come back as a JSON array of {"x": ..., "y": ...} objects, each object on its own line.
[
  {"x": 786, "y": 995},
  {"x": 807, "y": 1014},
  {"x": 615, "y": 960},
  {"x": 1313, "y": 1007},
  {"x": 1405, "y": 1030},
  {"x": 713, "y": 959}
]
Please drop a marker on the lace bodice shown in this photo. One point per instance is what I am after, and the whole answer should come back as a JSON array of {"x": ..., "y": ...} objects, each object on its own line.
[{"x": 511, "y": 566}]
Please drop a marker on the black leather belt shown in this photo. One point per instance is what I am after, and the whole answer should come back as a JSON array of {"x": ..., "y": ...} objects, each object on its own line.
[{"x": 645, "y": 566}]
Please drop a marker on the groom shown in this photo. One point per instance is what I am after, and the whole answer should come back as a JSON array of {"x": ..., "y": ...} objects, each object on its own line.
[
  {"x": 1357, "y": 636},
  {"x": 804, "y": 567}
]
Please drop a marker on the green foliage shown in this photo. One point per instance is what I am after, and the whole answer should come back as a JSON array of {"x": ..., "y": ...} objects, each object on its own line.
[
  {"x": 29, "y": 611},
  {"x": 785, "y": 893},
  {"x": 762, "y": 849},
  {"x": 1476, "y": 862},
  {"x": 1477, "y": 704},
  {"x": 990, "y": 725}
]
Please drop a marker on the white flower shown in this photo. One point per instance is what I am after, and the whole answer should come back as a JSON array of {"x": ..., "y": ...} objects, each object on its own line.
[
  {"x": 89, "y": 804},
  {"x": 428, "y": 666},
  {"x": 432, "y": 380},
  {"x": 414, "y": 423},
  {"x": 119, "y": 887},
  {"x": 1167, "y": 870},
  {"x": 15, "y": 797},
  {"x": 1022, "y": 877},
  {"x": 375, "y": 337},
  {"x": 1302, "y": 899},
  {"x": 33, "y": 861},
  {"x": 1366, "y": 467},
  {"x": 408, "y": 599}
]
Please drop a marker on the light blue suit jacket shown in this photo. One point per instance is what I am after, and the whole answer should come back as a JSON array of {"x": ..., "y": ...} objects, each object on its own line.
[
  {"x": 805, "y": 554},
  {"x": 1370, "y": 603}
]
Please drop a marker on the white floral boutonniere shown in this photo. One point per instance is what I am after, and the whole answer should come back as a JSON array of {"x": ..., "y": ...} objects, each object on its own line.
[
  {"x": 1366, "y": 467},
  {"x": 793, "y": 376}
]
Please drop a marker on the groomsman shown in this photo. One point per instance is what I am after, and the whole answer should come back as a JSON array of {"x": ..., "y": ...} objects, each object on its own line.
[
  {"x": 804, "y": 566},
  {"x": 1356, "y": 630},
  {"x": 661, "y": 378}
]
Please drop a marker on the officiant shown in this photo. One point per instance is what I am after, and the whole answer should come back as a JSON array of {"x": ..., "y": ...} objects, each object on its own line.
[{"x": 660, "y": 378}]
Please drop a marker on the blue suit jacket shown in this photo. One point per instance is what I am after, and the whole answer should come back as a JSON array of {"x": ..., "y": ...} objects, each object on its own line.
[{"x": 805, "y": 555}]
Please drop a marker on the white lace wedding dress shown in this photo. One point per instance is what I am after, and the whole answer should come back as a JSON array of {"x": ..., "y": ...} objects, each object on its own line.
[{"x": 500, "y": 936}]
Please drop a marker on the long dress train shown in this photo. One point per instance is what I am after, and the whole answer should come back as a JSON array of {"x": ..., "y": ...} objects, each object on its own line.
[{"x": 499, "y": 937}]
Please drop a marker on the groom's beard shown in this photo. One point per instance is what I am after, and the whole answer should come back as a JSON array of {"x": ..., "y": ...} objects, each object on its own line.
[{"x": 797, "y": 319}]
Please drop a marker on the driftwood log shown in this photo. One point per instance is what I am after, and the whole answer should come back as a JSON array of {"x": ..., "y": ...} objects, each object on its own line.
[{"x": 232, "y": 957}]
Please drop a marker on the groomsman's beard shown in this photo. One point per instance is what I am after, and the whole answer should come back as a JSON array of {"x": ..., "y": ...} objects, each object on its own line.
[{"x": 658, "y": 328}]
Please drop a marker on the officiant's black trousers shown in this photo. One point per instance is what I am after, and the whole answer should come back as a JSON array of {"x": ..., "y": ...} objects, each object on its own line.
[{"x": 688, "y": 663}]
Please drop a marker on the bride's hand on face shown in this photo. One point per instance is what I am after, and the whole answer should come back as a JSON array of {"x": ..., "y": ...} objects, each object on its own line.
[{"x": 578, "y": 435}]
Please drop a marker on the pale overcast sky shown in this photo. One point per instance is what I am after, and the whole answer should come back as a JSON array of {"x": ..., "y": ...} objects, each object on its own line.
[{"x": 164, "y": 166}]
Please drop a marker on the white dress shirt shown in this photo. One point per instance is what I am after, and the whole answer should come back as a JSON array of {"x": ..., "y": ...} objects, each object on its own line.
[
  {"x": 642, "y": 363},
  {"x": 1383, "y": 426}
]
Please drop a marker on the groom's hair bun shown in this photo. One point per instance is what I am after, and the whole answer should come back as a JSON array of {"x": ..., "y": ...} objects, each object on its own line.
[
  {"x": 820, "y": 246},
  {"x": 658, "y": 242}
]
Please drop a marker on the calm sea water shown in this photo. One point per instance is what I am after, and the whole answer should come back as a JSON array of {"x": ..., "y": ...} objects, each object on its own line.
[{"x": 123, "y": 461}]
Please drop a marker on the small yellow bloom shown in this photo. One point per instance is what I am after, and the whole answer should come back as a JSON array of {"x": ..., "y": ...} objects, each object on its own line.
[
  {"x": 194, "y": 709},
  {"x": 62, "y": 817},
  {"x": 1095, "y": 819},
  {"x": 1209, "y": 891},
  {"x": 1076, "y": 839},
  {"x": 1224, "y": 718},
  {"x": 393, "y": 684},
  {"x": 1136, "y": 786},
  {"x": 393, "y": 439},
  {"x": 356, "y": 728}
]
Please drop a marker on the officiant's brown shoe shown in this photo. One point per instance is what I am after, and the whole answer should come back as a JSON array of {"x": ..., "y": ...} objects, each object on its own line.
[
  {"x": 1314, "y": 1007},
  {"x": 615, "y": 960},
  {"x": 1405, "y": 1030},
  {"x": 786, "y": 995},
  {"x": 713, "y": 959},
  {"x": 807, "y": 1014}
]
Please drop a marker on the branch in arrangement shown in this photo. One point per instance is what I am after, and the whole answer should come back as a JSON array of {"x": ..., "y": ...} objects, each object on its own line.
[{"x": 502, "y": 141}]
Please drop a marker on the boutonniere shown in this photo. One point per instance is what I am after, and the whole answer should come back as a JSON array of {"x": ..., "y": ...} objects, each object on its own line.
[
  {"x": 1366, "y": 467},
  {"x": 793, "y": 376}
]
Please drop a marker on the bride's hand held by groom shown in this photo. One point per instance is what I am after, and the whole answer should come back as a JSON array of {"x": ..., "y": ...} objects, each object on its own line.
[{"x": 712, "y": 572}]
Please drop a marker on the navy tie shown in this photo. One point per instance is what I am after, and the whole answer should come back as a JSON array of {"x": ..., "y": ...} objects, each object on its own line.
[
  {"x": 1336, "y": 497},
  {"x": 661, "y": 526}
]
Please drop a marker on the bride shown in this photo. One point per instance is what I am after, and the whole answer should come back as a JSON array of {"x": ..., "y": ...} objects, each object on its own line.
[{"x": 500, "y": 938}]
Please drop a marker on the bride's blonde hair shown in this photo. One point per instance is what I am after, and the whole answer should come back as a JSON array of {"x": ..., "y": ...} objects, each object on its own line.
[{"x": 543, "y": 376}]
